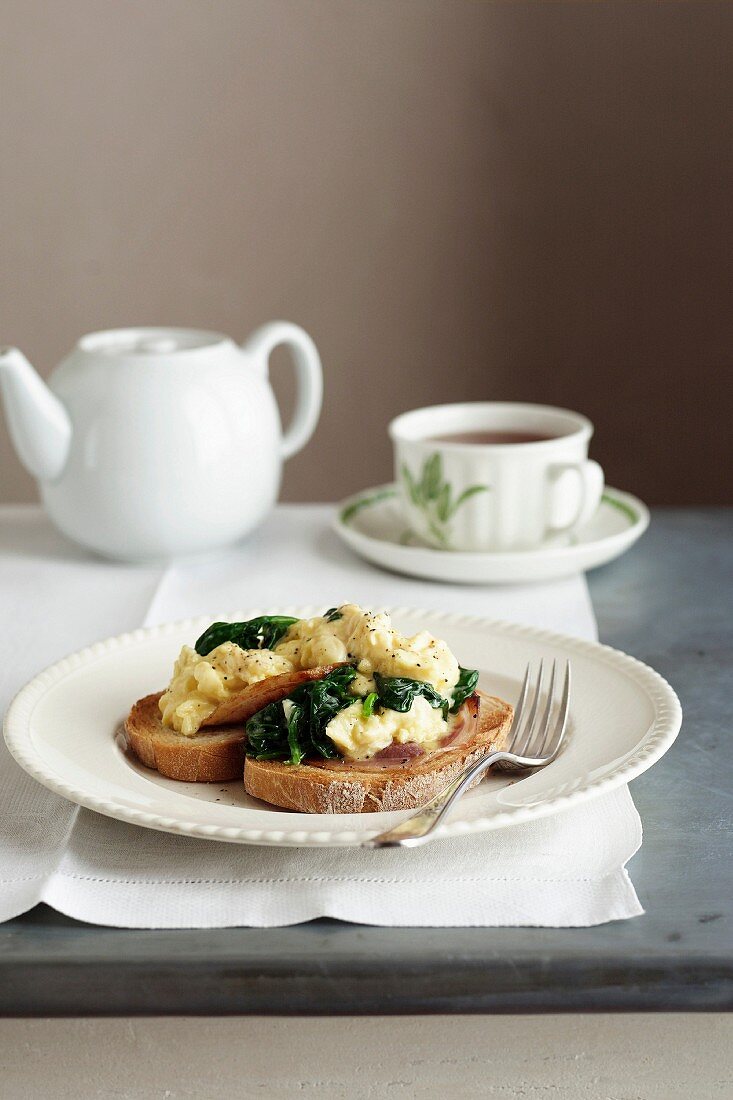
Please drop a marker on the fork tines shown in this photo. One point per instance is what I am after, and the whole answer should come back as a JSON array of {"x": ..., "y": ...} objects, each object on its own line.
[{"x": 537, "y": 732}]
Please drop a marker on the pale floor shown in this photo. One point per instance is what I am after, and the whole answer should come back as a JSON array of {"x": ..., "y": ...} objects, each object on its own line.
[{"x": 629, "y": 1057}]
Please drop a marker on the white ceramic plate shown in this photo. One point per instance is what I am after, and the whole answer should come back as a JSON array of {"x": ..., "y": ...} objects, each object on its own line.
[
  {"x": 63, "y": 728},
  {"x": 372, "y": 524}
]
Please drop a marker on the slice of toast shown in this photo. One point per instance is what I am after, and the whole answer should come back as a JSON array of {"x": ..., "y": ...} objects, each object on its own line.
[
  {"x": 216, "y": 752},
  {"x": 213, "y": 755},
  {"x": 316, "y": 789}
]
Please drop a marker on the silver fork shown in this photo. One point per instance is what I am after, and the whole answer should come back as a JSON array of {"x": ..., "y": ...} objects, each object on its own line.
[{"x": 534, "y": 739}]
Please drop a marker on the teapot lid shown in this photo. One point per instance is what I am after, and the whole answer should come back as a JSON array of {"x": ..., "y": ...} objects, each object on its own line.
[{"x": 149, "y": 341}]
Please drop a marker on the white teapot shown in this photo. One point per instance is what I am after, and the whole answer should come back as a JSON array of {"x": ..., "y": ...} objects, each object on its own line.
[{"x": 155, "y": 443}]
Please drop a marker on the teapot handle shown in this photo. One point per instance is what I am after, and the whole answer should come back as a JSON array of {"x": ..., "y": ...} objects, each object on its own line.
[{"x": 308, "y": 376}]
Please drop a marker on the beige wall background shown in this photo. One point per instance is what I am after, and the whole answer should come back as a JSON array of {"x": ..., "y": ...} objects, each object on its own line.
[{"x": 459, "y": 200}]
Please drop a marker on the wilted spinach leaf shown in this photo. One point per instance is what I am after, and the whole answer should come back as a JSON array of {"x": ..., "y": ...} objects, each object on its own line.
[
  {"x": 399, "y": 693},
  {"x": 295, "y": 719},
  {"x": 369, "y": 703},
  {"x": 466, "y": 686},
  {"x": 261, "y": 633},
  {"x": 332, "y": 615},
  {"x": 273, "y": 736},
  {"x": 267, "y": 733}
]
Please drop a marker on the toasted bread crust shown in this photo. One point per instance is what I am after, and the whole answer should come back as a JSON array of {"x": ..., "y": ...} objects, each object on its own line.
[
  {"x": 211, "y": 756},
  {"x": 314, "y": 790}
]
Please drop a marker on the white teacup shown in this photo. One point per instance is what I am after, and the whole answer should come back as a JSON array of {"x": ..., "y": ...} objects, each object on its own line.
[{"x": 531, "y": 481}]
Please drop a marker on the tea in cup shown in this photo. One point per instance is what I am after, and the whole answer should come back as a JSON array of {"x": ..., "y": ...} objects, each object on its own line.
[{"x": 494, "y": 475}]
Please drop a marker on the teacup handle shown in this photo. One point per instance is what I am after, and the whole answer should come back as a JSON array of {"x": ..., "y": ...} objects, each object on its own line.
[
  {"x": 590, "y": 485},
  {"x": 308, "y": 377}
]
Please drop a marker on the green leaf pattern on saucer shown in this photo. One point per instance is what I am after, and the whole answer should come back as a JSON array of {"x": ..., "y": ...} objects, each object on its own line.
[
  {"x": 356, "y": 506},
  {"x": 435, "y": 497},
  {"x": 622, "y": 507}
]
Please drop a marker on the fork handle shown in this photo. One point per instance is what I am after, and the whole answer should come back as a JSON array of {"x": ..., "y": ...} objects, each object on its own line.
[{"x": 418, "y": 828}]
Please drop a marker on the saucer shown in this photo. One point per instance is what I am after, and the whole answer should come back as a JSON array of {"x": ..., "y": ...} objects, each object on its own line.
[{"x": 372, "y": 524}]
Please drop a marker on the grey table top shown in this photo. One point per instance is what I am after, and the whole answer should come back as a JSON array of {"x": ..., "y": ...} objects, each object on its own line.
[{"x": 668, "y": 602}]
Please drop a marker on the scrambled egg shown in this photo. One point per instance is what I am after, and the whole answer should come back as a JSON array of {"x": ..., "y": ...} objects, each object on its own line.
[
  {"x": 199, "y": 684},
  {"x": 370, "y": 640},
  {"x": 367, "y": 639},
  {"x": 358, "y": 737}
]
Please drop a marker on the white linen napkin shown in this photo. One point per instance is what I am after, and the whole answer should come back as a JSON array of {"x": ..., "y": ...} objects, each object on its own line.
[{"x": 564, "y": 870}]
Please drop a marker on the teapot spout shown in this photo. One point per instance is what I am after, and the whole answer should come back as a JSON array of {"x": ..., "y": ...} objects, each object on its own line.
[{"x": 39, "y": 425}]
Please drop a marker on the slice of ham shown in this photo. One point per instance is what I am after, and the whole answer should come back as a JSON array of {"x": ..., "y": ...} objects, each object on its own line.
[
  {"x": 395, "y": 756},
  {"x": 396, "y": 751},
  {"x": 244, "y": 704}
]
